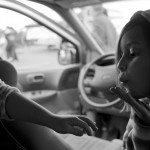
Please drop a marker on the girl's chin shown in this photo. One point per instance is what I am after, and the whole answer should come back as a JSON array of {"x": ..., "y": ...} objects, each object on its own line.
[{"x": 136, "y": 95}]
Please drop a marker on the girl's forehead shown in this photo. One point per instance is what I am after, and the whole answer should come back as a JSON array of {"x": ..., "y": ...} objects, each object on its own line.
[{"x": 133, "y": 35}]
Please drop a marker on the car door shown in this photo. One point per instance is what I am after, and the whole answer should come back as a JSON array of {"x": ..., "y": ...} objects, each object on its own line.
[{"x": 48, "y": 57}]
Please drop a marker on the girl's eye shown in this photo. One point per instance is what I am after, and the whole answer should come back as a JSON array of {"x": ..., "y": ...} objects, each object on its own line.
[{"x": 132, "y": 52}]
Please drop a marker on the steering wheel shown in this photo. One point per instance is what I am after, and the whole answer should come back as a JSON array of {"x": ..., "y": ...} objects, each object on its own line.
[{"x": 107, "y": 79}]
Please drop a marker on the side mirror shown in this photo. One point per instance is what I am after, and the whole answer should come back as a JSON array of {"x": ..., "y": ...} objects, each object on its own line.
[{"x": 67, "y": 54}]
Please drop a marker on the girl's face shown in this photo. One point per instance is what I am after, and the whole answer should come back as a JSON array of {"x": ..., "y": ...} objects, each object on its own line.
[{"x": 134, "y": 64}]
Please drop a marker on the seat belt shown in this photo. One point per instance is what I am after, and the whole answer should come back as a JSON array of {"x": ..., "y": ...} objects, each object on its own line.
[{"x": 12, "y": 137}]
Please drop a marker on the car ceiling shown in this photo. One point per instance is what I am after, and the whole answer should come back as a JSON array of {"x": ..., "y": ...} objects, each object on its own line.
[{"x": 74, "y": 3}]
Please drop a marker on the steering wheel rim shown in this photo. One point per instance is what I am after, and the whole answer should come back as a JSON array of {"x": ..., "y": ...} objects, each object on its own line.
[{"x": 81, "y": 85}]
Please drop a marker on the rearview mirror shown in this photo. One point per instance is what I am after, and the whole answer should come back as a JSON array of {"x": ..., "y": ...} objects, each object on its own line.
[{"x": 67, "y": 53}]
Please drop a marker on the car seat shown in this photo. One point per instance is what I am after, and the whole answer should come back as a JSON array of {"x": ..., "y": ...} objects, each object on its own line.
[
  {"x": 8, "y": 74},
  {"x": 21, "y": 135}
]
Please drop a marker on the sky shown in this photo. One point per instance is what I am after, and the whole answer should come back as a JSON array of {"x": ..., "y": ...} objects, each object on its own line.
[
  {"x": 13, "y": 19},
  {"x": 120, "y": 12},
  {"x": 17, "y": 20}
]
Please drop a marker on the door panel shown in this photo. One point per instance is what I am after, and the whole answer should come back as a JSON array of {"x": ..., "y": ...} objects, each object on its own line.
[
  {"x": 57, "y": 90},
  {"x": 41, "y": 76}
]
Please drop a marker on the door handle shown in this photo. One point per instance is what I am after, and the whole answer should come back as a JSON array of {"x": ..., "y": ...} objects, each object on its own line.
[{"x": 35, "y": 78}]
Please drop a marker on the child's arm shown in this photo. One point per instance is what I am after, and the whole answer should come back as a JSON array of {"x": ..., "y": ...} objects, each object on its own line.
[
  {"x": 139, "y": 136},
  {"x": 21, "y": 108}
]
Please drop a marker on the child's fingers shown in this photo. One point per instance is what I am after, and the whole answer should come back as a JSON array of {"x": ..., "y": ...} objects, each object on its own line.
[
  {"x": 76, "y": 131},
  {"x": 89, "y": 122},
  {"x": 124, "y": 96},
  {"x": 140, "y": 110},
  {"x": 82, "y": 124}
]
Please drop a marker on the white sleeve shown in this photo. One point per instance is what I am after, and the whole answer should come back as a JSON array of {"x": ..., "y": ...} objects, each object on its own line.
[{"x": 5, "y": 90}]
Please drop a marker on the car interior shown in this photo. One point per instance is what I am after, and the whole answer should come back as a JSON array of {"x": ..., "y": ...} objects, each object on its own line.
[{"x": 55, "y": 52}]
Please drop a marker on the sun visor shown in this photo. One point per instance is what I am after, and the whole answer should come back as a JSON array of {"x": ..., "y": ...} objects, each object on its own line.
[{"x": 76, "y": 3}]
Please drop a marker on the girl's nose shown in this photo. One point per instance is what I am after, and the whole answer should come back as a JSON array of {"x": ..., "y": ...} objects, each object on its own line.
[{"x": 122, "y": 66}]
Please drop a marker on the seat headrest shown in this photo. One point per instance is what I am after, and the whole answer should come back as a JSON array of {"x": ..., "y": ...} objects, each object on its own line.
[{"x": 8, "y": 73}]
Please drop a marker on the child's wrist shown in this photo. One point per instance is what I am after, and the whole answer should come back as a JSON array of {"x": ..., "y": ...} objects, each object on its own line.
[{"x": 51, "y": 121}]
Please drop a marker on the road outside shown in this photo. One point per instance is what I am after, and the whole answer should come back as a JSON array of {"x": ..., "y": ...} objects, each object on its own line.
[{"x": 34, "y": 56}]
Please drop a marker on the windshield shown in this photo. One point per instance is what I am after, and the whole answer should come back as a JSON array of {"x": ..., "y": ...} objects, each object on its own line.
[{"x": 105, "y": 21}]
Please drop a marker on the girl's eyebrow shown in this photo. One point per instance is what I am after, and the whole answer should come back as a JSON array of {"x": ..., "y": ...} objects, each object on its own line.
[
  {"x": 128, "y": 44},
  {"x": 132, "y": 42}
]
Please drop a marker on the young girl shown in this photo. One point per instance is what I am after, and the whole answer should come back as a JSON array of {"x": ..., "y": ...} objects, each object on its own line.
[
  {"x": 133, "y": 67},
  {"x": 133, "y": 64}
]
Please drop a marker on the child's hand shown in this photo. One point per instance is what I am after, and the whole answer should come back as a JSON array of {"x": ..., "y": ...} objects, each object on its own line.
[
  {"x": 77, "y": 125},
  {"x": 141, "y": 109}
]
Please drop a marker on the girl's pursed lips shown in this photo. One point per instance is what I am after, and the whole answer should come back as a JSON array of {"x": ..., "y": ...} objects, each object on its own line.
[{"x": 123, "y": 79}]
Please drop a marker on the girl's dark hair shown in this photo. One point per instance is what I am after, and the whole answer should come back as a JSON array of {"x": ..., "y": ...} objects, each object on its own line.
[
  {"x": 139, "y": 20},
  {"x": 136, "y": 20}
]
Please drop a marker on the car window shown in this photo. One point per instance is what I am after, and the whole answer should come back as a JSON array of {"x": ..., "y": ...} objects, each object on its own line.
[
  {"x": 98, "y": 23},
  {"x": 121, "y": 11},
  {"x": 28, "y": 44},
  {"x": 50, "y": 13},
  {"x": 105, "y": 21}
]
